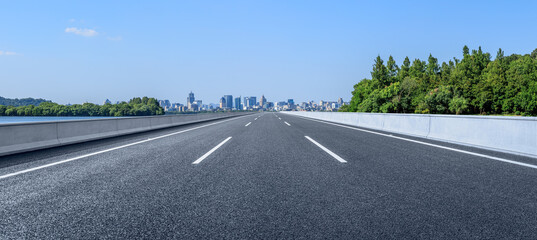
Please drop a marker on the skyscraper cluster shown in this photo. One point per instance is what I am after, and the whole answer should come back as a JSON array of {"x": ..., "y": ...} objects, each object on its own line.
[{"x": 250, "y": 103}]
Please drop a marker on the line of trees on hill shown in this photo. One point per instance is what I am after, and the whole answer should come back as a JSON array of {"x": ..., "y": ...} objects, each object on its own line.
[
  {"x": 135, "y": 107},
  {"x": 21, "y": 102},
  {"x": 473, "y": 85}
]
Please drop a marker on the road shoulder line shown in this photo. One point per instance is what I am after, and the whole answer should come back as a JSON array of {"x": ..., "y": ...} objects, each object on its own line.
[{"x": 428, "y": 144}]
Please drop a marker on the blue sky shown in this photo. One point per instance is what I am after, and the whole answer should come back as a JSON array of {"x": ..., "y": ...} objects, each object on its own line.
[{"x": 87, "y": 51}]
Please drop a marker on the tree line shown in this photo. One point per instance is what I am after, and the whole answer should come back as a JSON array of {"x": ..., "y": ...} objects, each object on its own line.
[
  {"x": 21, "y": 102},
  {"x": 135, "y": 107},
  {"x": 474, "y": 84}
]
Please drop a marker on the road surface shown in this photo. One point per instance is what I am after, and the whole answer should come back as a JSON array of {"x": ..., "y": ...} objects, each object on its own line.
[{"x": 265, "y": 176}]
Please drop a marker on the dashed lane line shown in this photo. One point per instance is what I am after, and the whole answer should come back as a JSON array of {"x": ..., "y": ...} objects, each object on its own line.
[
  {"x": 337, "y": 157},
  {"x": 210, "y": 151}
]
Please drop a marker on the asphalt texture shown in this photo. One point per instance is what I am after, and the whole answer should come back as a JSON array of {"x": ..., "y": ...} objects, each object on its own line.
[{"x": 267, "y": 182}]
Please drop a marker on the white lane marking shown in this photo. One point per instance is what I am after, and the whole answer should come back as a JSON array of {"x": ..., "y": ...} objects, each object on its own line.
[
  {"x": 248, "y": 124},
  {"x": 210, "y": 151},
  {"x": 287, "y": 123},
  {"x": 255, "y": 119},
  {"x": 280, "y": 118},
  {"x": 432, "y": 145},
  {"x": 341, "y": 160},
  {"x": 108, "y": 150}
]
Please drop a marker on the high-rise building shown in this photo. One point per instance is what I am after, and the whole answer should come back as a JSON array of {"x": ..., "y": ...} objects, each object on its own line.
[
  {"x": 107, "y": 101},
  {"x": 249, "y": 102},
  {"x": 262, "y": 101},
  {"x": 290, "y": 102},
  {"x": 229, "y": 101},
  {"x": 198, "y": 104},
  {"x": 252, "y": 101},
  {"x": 223, "y": 102},
  {"x": 340, "y": 101},
  {"x": 164, "y": 103},
  {"x": 190, "y": 99},
  {"x": 246, "y": 102},
  {"x": 238, "y": 105}
]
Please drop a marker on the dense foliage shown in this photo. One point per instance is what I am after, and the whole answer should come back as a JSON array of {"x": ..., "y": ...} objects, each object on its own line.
[
  {"x": 473, "y": 85},
  {"x": 21, "y": 102},
  {"x": 135, "y": 107}
]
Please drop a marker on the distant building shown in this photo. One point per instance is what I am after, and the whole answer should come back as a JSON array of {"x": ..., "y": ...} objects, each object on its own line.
[
  {"x": 229, "y": 101},
  {"x": 193, "y": 107},
  {"x": 213, "y": 105},
  {"x": 165, "y": 104},
  {"x": 249, "y": 102},
  {"x": 262, "y": 101},
  {"x": 252, "y": 101},
  {"x": 238, "y": 105},
  {"x": 190, "y": 99},
  {"x": 290, "y": 102},
  {"x": 246, "y": 102},
  {"x": 107, "y": 101},
  {"x": 223, "y": 102},
  {"x": 340, "y": 101}
]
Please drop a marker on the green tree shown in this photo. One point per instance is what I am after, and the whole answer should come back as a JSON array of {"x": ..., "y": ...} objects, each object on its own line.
[
  {"x": 458, "y": 105},
  {"x": 465, "y": 51},
  {"x": 393, "y": 70},
  {"x": 474, "y": 85},
  {"x": 380, "y": 73}
]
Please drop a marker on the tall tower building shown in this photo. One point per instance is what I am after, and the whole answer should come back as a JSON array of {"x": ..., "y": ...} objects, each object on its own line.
[
  {"x": 223, "y": 102},
  {"x": 238, "y": 105},
  {"x": 252, "y": 101},
  {"x": 229, "y": 101},
  {"x": 190, "y": 99},
  {"x": 246, "y": 102},
  {"x": 262, "y": 101}
]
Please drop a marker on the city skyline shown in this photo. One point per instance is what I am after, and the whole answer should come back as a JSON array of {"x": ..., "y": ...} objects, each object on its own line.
[{"x": 230, "y": 102}]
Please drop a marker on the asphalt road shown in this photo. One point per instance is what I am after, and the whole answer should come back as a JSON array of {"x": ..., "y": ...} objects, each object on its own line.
[{"x": 260, "y": 177}]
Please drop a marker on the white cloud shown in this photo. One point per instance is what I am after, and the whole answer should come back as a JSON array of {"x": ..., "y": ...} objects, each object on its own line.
[
  {"x": 118, "y": 38},
  {"x": 8, "y": 53},
  {"x": 82, "y": 31}
]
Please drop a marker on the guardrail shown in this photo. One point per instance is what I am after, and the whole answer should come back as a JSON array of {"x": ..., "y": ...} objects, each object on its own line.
[
  {"x": 516, "y": 135},
  {"x": 22, "y": 137}
]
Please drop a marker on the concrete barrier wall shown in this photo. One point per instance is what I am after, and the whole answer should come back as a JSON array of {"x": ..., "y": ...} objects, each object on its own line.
[
  {"x": 21, "y": 137},
  {"x": 517, "y": 135}
]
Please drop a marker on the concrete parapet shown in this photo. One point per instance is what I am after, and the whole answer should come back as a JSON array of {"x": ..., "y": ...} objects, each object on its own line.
[{"x": 22, "y": 137}]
